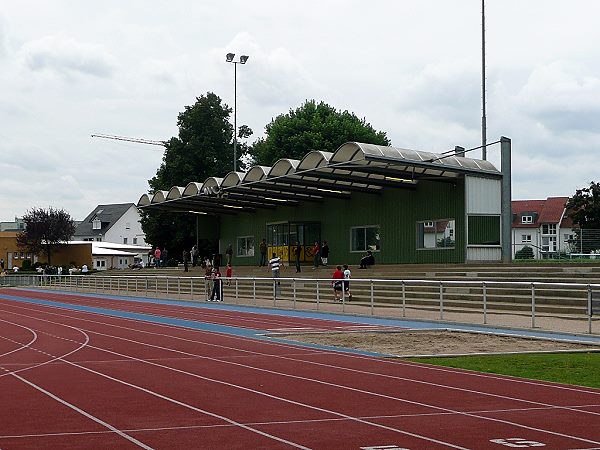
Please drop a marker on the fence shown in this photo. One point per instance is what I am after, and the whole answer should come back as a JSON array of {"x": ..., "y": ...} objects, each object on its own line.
[{"x": 566, "y": 307}]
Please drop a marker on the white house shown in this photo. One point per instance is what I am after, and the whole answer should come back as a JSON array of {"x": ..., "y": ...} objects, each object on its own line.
[
  {"x": 542, "y": 225},
  {"x": 119, "y": 224}
]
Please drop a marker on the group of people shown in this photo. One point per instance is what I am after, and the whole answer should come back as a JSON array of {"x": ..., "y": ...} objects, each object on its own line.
[
  {"x": 341, "y": 283},
  {"x": 213, "y": 273},
  {"x": 158, "y": 257},
  {"x": 320, "y": 254}
]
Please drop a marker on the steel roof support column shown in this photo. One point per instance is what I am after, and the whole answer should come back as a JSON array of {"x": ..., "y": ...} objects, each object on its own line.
[{"x": 505, "y": 151}]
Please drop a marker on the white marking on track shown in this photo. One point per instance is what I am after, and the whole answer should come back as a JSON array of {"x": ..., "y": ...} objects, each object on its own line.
[
  {"x": 62, "y": 401},
  {"x": 359, "y": 371}
]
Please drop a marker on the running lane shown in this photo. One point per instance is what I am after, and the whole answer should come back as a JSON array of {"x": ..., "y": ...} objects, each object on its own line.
[{"x": 301, "y": 397}]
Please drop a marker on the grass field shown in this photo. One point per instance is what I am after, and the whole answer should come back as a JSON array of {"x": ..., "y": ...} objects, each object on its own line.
[{"x": 581, "y": 369}]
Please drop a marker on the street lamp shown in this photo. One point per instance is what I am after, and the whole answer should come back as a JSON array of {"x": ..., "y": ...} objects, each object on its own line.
[{"x": 229, "y": 58}]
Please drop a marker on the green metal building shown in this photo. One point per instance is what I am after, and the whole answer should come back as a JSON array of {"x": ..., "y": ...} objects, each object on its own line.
[{"x": 405, "y": 206}]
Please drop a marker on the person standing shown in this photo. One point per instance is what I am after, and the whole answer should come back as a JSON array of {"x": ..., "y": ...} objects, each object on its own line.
[
  {"x": 298, "y": 253},
  {"x": 263, "y": 253},
  {"x": 157, "y": 254},
  {"x": 165, "y": 257},
  {"x": 229, "y": 274},
  {"x": 347, "y": 276},
  {"x": 194, "y": 255},
  {"x": 275, "y": 263},
  {"x": 316, "y": 255},
  {"x": 186, "y": 258},
  {"x": 324, "y": 253},
  {"x": 229, "y": 253},
  {"x": 217, "y": 290},
  {"x": 1, "y": 264},
  {"x": 338, "y": 276}
]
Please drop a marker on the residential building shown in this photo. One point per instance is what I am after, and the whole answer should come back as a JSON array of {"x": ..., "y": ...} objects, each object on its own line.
[
  {"x": 117, "y": 223},
  {"x": 542, "y": 225}
]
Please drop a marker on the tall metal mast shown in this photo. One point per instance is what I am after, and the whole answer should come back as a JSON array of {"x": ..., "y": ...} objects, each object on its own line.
[{"x": 483, "y": 116}]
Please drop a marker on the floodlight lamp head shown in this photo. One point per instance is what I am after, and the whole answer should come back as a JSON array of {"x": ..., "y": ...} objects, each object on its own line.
[
  {"x": 229, "y": 57},
  {"x": 243, "y": 59}
]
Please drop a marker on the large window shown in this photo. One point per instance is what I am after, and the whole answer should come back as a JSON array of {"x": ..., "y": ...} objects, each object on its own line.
[
  {"x": 549, "y": 228},
  {"x": 435, "y": 234},
  {"x": 483, "y": 230},
  {"x": 245, "y": 246},
  {"x": 365, "y": 238}
]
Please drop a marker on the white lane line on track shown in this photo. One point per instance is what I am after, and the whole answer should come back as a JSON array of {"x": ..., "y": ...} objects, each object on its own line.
[
  {"x": 22, "y": 346},
  {"x": 462, "y": 372},
  {"x": 263, "y": 423},
  {"x": 62, "y": 401},
  {"x": 362, "y": 372},
  {"x": 156, "y": 394},
  {"x": 193, "y": 314},
  {"x": 345, "y": 355},
  {"x": 506, "y": 422}
]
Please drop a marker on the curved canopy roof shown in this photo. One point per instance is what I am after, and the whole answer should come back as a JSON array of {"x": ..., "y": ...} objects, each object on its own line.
[{"x": 353, "y": 167}]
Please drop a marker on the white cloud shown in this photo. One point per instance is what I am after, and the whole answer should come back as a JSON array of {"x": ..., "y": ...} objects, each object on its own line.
[
  {"x": 409, "y": 68},
  {"x": 66, "y": 56}
]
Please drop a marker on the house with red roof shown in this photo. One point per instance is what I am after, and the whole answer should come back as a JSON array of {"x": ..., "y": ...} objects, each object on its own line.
[{"x": 542, "y": 225}]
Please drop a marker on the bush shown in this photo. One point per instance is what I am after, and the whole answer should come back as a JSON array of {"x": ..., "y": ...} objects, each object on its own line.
[
  {"x": 26, "y": 264},
  {"x": 525, "y": 253}
]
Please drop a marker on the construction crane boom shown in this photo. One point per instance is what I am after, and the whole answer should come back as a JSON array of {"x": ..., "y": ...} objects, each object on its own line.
[{"x": 128, "y": 139}]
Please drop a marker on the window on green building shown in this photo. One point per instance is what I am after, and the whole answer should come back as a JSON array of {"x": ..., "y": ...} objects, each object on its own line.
[
  {"x": 435, "y": 234},
  {"x": 245, "y": 246},
  {"x": 365, "y": 238},
  {"x": 483, "y": 230}
]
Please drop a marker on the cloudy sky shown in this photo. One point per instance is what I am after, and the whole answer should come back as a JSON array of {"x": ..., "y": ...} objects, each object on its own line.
[{"x": 412, "y": 68}]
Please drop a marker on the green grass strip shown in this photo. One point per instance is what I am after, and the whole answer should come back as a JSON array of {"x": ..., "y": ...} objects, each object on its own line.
[{"x": 581, "y": 369}]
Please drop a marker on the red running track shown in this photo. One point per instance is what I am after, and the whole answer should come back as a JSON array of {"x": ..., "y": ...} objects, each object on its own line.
[{"x": 71, "y": 379}]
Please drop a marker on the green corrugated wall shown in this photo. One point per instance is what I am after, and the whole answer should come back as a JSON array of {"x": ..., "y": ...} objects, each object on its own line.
[{"x": 396, "y": 211}]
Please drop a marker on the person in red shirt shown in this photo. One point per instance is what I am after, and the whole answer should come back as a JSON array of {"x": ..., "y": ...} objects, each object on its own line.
[
  {"x": 316, "y": 255},
  {"x": 338, "y": 276},
  {"x": 228, "y": 274}
]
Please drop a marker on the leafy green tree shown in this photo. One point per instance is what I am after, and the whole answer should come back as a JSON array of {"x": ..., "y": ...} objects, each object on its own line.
[
  {"x": 584, "y": 206},
  {"x": 203, "y": 148},
  {"x": 44, "y": 230},
  {"x": 312, "y": 126}
]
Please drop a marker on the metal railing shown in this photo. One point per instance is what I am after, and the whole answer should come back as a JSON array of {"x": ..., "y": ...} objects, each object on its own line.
[{"x": 568, "y": 307}]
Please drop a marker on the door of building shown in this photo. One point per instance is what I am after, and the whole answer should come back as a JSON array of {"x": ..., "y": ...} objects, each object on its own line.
[{"x": 282, "y": 238}]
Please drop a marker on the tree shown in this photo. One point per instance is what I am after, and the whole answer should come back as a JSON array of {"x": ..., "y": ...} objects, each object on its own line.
[
  {"x": 203, "y": 148},
  {"x": 312, "y": 126},
  {"x": 44, "y": 230},
  {"x": 584, "y": 207}
]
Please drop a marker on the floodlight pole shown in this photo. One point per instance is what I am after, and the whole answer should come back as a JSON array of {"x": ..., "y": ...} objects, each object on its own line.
[
  {"x": 234, "y": 115},
  {"x": 483, "y": 114},
  {"x": 229, "y": 58}
]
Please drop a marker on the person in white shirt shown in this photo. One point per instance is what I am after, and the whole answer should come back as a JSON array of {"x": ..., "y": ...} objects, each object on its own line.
[
  {"x": 275, "y": 263},
  {"x": 347, "y": 276},
  {"x": 84, "y": 268}
]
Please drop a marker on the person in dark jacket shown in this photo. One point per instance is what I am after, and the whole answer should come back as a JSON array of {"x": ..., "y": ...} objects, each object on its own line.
[
  {"x": 367, "y": 260},
  {"x": 324, "y": 253}
]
